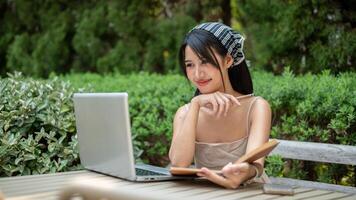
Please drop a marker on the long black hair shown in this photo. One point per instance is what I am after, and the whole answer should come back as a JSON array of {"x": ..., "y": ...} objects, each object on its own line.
[{"x": 202, "y": 43}]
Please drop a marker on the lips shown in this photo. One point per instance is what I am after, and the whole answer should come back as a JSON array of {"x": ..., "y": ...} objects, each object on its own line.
[{"x": 203, "y": 82}]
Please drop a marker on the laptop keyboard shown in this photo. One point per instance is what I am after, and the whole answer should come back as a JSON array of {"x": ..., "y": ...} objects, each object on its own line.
[{"x": 143, "y": 172}]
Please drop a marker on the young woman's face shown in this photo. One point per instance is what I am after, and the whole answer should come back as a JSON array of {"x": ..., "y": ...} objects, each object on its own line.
[{"x": 205, "y": 76}]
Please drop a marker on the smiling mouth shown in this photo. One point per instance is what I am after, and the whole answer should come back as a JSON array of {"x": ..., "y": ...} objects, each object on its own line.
[{"x": 203, "y": 83}]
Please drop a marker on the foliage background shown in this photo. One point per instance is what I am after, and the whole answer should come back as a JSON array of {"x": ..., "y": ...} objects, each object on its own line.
[
  {"x": 129, "y": 36},
  {"x": 309, "y": 36},
  {"x": 115, "y": 40}
]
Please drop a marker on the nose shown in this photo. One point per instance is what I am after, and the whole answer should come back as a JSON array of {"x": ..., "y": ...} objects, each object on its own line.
[{"x": 199, "y": 72}]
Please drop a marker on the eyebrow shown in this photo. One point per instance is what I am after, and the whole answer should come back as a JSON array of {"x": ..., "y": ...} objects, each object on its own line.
[{"x": 187, "y": 61}]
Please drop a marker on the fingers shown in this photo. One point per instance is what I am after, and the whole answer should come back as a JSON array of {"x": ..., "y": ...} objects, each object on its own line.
[
  {"x": 224, "y": 102},
  {"x": 235, "y": 173},
  {"x": 218, "y": 103},
  {"x": 213, "y": 177},
  {"x": 215, "y": 105},
  {"x": 233, "y": 99},
  {"x": 231, "y": 170},
  {"x": 221, "y": 104}
]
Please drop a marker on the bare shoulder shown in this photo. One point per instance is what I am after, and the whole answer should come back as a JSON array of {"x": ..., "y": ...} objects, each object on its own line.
[
  {"x": 260, "y": 101},
  {"x": 261, "y": 105},
  {"x": 182, "y": 112}
]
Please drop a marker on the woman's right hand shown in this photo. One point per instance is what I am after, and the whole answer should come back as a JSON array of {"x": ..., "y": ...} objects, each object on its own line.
[{"x": 216, "y": 103}]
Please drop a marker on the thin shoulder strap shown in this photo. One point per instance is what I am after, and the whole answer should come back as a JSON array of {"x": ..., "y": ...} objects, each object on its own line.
[{"x": 248, "y": 114}]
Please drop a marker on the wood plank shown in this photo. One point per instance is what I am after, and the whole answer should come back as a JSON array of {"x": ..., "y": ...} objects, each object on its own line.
[
  {"x": 311, "y": 184},
  {"x": 260, "y": 195},
  {"x": 304, "y": 195},
  {"x": 276, "y": 196},
  {"x": 242, "y": 194},
  {"x": 46, "y": 183},
  {"x": 353, "y": 197},
  {"x": 41, "y": 181},
  {"x": 194, "y": 192},
  {"x": 153, "y": 188},
  {"x": 112, "y": 192},
  {"x": 212, "y": 194},
  {"x": 296, "y": 192},
  {"x": 320, "y": 152},
  {"x": 37, "y": 196},
  {"x": 174, "y": 190},
  {"x": 334, "y": 195},
  {"x": 254, "y": 189},
  {"x": 23, "y": 178},
  {"x": 51, "y": 185}
]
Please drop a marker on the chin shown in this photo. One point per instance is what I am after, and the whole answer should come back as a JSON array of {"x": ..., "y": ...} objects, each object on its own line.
[{"x": 206, "y": 90}]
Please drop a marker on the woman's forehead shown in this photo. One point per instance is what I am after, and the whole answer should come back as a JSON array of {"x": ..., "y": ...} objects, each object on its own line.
[{"x": 191, "y": 53}]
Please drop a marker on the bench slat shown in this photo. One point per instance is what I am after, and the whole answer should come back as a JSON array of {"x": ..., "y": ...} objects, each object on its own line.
[{"x": 319, "y": 152}]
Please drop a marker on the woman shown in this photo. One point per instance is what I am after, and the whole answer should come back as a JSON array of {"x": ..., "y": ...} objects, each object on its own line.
[{"x": 223, "y": 120}]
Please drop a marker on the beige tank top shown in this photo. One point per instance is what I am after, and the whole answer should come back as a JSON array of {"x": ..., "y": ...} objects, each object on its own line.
[{"x": 217, "y": 155}]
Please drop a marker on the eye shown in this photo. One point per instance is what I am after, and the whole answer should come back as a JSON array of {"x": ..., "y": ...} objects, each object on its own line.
[{"x": 188, "y": 65}]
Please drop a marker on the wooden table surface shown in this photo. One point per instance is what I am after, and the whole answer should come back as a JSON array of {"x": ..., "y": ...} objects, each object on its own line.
[{"x": 50, "y": 186}]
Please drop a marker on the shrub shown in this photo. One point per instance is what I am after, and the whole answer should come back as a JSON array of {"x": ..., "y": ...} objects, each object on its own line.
[
  {"x": 93, "y": 36},
  {"x": 311, "y": 36},
  {"x": 317, "y": 108},
  {"x": 37, "y": 128}
]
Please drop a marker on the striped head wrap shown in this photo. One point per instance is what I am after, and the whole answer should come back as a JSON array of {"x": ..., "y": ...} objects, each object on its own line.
[{"x": 229, "y": 38}]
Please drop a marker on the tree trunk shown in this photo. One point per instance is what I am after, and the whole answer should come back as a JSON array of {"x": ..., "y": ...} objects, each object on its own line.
[{"x": 226, "y": 12}]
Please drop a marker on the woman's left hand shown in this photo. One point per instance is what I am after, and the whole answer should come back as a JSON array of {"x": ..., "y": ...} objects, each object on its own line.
[{"x": 233, "y": 175}]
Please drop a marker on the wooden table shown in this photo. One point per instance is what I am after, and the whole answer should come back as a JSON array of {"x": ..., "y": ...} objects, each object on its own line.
[{"x": 50, "y": 186}]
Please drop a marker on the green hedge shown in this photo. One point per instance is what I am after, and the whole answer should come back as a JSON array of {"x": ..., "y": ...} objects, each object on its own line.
[
  {"x": 310, "y": 36},
  {"x": 319, "y": 108},
  {"x": 70, "y": 36},
  {"x": 80, "y": 36},
  {"x": 37, "y": 133}
]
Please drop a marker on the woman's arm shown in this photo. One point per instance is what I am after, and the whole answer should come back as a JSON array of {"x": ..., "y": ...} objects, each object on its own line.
[
  {"x": 260, "y": 119},
  {"x": 182, "y": 148}
]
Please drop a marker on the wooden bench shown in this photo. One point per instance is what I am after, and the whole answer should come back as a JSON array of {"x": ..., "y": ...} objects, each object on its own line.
[{"x": 318, "y": 152}]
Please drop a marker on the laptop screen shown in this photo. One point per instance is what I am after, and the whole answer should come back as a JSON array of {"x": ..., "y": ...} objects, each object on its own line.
[{"x": 104, "y": 134}]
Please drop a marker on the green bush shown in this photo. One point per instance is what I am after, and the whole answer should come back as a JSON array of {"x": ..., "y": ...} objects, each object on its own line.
[
  {"x": 310, "y": 36},
  {"x": 318, "y": 108},
  {"x": 41, "y": 37},
  {"x": 37, "y": 129}
]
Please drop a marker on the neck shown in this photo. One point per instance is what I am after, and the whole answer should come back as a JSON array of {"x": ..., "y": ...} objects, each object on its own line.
[{"x": 230, "y": 90}]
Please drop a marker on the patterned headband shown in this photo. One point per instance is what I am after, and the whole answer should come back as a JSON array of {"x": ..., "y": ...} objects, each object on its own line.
[{"x": 229, "y": 38}]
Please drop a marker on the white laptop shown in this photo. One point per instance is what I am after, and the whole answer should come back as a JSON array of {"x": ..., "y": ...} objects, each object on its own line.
[{"x": 104, "y": 135}]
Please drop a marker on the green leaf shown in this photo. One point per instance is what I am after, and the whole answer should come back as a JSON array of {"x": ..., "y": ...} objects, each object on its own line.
[
  {"x": 28, "y": 157},
  {"x": 17, "y": 160},
  {"x": 51, "y": 147}
]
